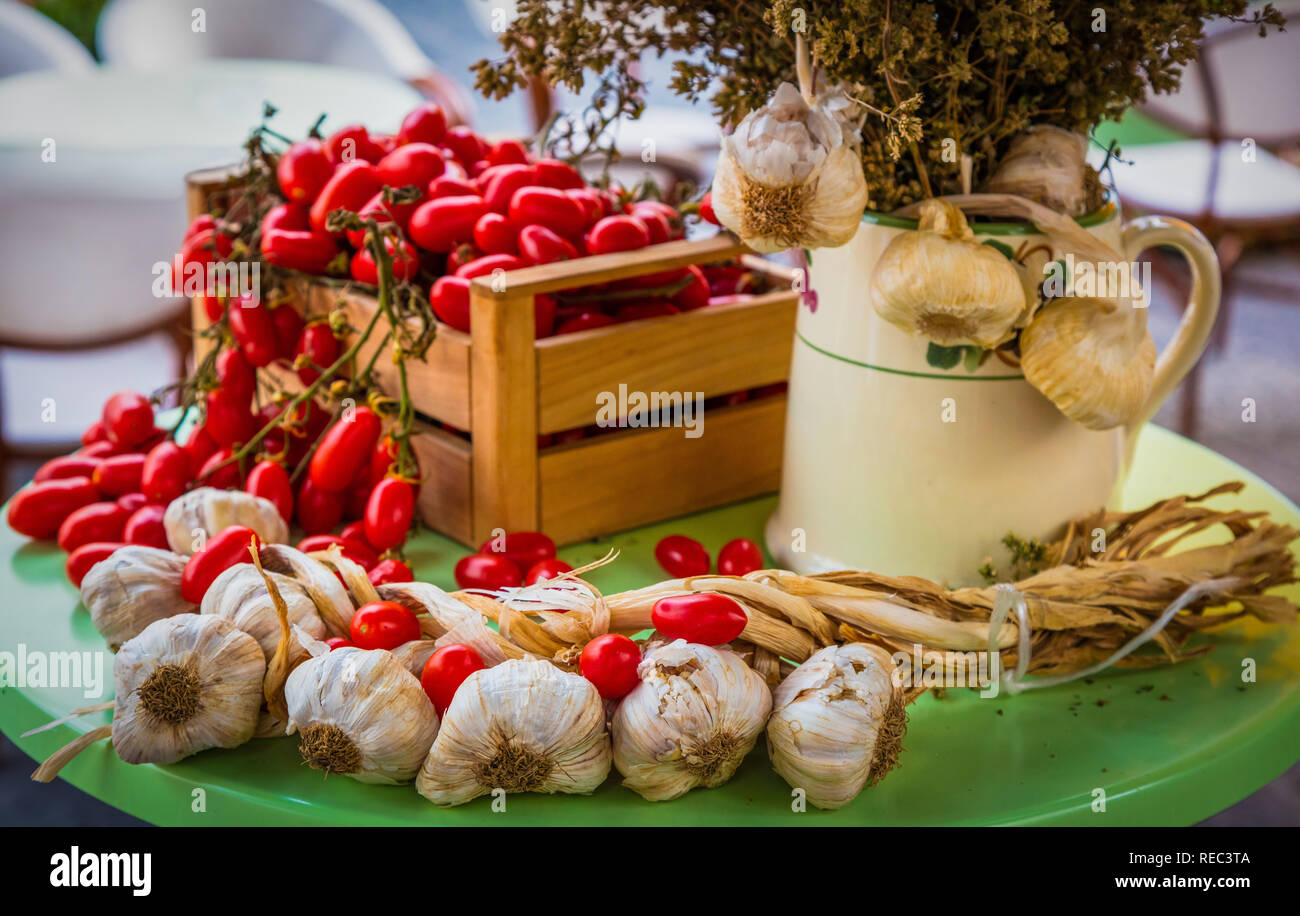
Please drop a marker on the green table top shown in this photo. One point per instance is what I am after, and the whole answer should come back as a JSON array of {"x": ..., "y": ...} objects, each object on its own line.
[{"x": 1167, "y": 746}]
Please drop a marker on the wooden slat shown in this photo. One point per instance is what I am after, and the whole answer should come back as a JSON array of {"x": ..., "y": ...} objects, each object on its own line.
[
  {"x": 503, "y": 412},
  {"x": 635, "y": 477},
  {"x": 714, "y": 350},
  {"x": 447, "y": 482},
  {"x": 439, "y": 384},
  {"x": 548, "y": 278}
]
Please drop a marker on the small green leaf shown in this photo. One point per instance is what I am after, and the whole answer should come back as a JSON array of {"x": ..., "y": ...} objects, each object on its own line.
[
  {"x": 943, "y": 357},
  {"x": 974, "y": 358},
  {"x": 1002, "y": 247}
]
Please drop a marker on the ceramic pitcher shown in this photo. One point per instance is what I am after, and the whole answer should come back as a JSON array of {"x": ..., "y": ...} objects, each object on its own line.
[{"x": 895, "y": 466}]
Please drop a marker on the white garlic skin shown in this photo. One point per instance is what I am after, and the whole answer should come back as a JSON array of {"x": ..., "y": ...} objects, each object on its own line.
[
  {"x": 690, "y": 722},
  {"x": 131, "y": 588},
  {"x": 374, "y": 701},
  {"x": 827, "y": 716},
  {"x": 228, "y": 668},
  {"x": 239, "y": 594},
  {"x": 212, "y": 511},
  {"x": 519, "y": 712},
  {"x": 317, "y": 580}
]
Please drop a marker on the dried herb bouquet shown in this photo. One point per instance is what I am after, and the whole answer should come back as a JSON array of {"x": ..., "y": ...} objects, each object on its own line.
[{"x": 967, "y": 73}]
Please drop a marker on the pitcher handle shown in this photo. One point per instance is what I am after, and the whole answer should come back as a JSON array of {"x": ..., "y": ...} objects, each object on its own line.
[{"x": 1193, "y": 333}]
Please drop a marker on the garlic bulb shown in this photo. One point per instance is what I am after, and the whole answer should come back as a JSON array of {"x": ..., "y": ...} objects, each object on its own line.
[
  {"x": 317, "y": 580},
  {"x": 941, "y": 284},
  {"x": 239, "y": 594},
  {"x": 185, "y": 684},
  {"x": 131, "y": 589},
  {"x": 360, "y": 714},
  {"x": 522, "y": 726},
  {"x": 791, "y": 175},
  {"x": 1048, "y": 165},
  {"x": 211, "y": 511},
  {"x": 837, "y": 723},
  {"x": 1096, "y": 367},
  {"x": 690, "y": 722}
]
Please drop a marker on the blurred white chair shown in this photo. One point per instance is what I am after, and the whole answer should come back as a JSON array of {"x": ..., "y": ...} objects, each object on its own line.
[
  {"x": 357, "y": 34},
  {"x": 1236, "y": 177},
  {"x": 32, "y": 41}
]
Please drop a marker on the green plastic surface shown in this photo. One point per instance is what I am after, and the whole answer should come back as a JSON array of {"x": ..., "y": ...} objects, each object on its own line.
[{"x": 1169, "y": 745}]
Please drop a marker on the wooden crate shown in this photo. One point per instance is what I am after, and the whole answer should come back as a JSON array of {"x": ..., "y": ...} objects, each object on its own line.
[{"x": 506, "y": 389}]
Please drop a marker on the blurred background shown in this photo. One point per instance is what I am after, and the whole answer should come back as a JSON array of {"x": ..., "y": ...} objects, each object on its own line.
[{"x": 106, "y": 104}]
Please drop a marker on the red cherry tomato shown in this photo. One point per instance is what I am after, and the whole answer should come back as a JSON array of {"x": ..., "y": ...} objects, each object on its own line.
[
  {"x": 639, "y": 311},
  {"x": 449, "y": 297},
  {"x": 381, "y": 460},
  {"x": 119, "y": 474},
  {"x": 446, "y": 670},
  {"x": 223, "y": 550},
  {"x": 547, "y": 207},
  {"x": 443, "y": 223},
  {"x": 127, "y": 419},
  {"x": 489, "y": 263},
  {"x": 449, "y": 186},
  {"x": 356, "y": 551},
  {"x": 695, "y": 294},
  {"x": 303, "y": 170},
  {"x": 706, "y": 210},
  {"x": 349, "y": 188},
  {"x": 593, "y": 204},
  {"x": 487, "y": 571},
  {"x": 291, "y": 217},
  {"x": 352, "y": 143},
  {"x": 553, "y": 173},
  {"x": 318, "y": 510},
  {"x": 254, "y": 331},
  {"x": 507, "y": 151},
  {"x": 87, "y": 555},
  {"x": 585, "y": 322},
  {"x": 411, "y": 164},
  {"x": 389, "y": 513},
  {"x": 228, "y": 421},
  {"x": 217, "y": 473},
  {"x": 102, "y": 521},
  {"x": 200, "y": 445},
  {"x": 672, "y": 219},
  {"x": 39, "y": 509},
  {"x": 739, "y": 557},
  {"x": 307, "y": 251},
  {"x": 617, "y": 233},
  {"x": 288, "y": 325},
  {"x": 381, "y": 212},
  {"x": 539, "y": 245},
  {"x": 338, "y": 642},
  {"x": 681, "y": 556},
  {"x": 656, "y": 224},
  {"x": 544, "y": 309},
  {"x": 466, "y": 146},
  {"x": 425, "y": 124},
  {"x": 95, "y": 432},
  {"x": 132, "y": 501},
  {"x": 235, "y": 375},
  {"x": 495, "y": 234},
  {"x": 390, "y": 570},
  {"x": 546, "y": 569},
  {"x": 269, "y": 480},
  {"x": 145, "y": 526},
  {"x": 706, "y": 618},
  {"x": 318, "y": 343},
  {"x": 500, "y": 184},
  {"x": 383, "y": 625},
  {"x": 67, "y": 466},
  {"x": 165, "y": 474},
  {"x": 525, "y": 549},
  {"x": 610, "y": 663},
  {"x": 345, "y": 449},
  {"x": 356, "y": 531},
  {"x": 406, "y": 262}
]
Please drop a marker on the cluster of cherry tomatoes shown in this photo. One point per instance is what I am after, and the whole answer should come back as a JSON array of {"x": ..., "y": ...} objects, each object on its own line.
[
  {"x": 467, "y": 208},
  {"x": 682, "y": 557}
]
